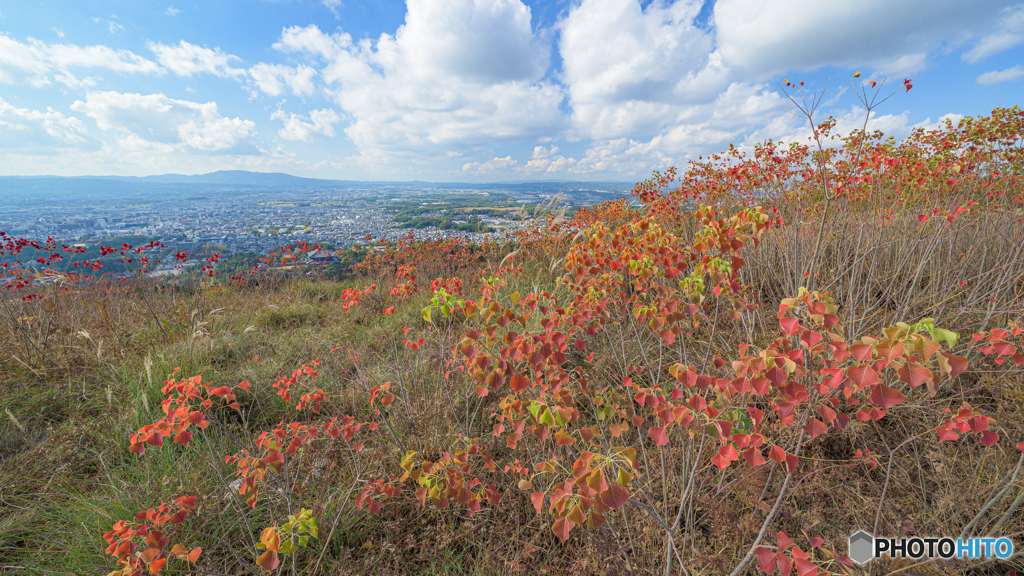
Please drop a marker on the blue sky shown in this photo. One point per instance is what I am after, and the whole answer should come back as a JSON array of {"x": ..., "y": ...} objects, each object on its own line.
[{"x": 470, "y": 90}]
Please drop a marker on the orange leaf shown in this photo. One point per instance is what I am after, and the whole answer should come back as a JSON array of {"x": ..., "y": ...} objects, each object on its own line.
[
  {"x": 270, "y": 539},
  {"x": 597, "y": 482},
  {"x": 268, "y": 560}
]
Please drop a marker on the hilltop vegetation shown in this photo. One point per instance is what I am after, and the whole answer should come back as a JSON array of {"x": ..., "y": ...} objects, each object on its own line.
[{"x": 726, "y": 372}]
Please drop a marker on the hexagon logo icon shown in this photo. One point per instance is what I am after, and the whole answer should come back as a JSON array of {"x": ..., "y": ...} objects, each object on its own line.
[{"x": 861, "y": 547}]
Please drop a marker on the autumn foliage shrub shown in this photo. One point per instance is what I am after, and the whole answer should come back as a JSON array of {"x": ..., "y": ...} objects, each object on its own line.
[{"x": 727, "y": 372}]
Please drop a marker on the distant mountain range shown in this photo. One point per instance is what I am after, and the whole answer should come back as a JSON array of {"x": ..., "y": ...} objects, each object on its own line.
[
  {"x": 230, "y": 178},
  {"x": 246, "y": 179}
]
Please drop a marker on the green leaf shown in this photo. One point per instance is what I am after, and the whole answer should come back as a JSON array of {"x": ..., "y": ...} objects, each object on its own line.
[
  {"x": 559, "y": 419},
  {"x": 942, "y": 335},
  {"x": 547, "y": 418},
  {"x": 426, "y": 314}
]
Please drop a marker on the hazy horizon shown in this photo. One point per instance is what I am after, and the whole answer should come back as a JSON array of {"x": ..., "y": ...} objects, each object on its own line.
[{"x": 275, "y": 173}]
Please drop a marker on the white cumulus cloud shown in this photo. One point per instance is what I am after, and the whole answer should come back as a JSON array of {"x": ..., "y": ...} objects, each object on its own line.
[
  {"x": 296, "y": 127},
  {"x": 999, "y": 76},
  {"x": 492, "y": 165},
  {"x": 33, "y": 63},
  {"x": 275, "y": 79},
  {"x": 71, "y": 81},
  {"x": 186, "y": 59},
  {"x": 628, "y": 70},
  {"x": 456, "y": 73},
  {"x": 159, "y": 120},
  {"x": 38, "y": 132},
  {"x": 766, "y": 38}
]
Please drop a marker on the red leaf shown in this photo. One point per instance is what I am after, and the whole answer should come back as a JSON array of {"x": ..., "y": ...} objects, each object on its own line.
[
  {"x": 862, "y": 352},
  {"x": 989, "y": 438},
  {"x": 791, "y": 463},
  {"x": 766, "y": 559},
  {"x": 957, "y": 364},
  {"x": 615, "y": 497},
  {"x": 885, "y": 396},
  {"x": 777, "y": 454},
  {"x": 815, "y": 428},
  {"x": 915, "y": 375},
  {"x": 790, "y": 325},
  {"x": 805, "y": 568},
  {"x": 726, "y": 455},
  {"x": 538, "y": 501},
  {"x": 785, "y": 564},
  {"x": 948, "y": 434},
  {"x": 863, "y": 375},
  {"x": 562, "y": 527},
  {"x": 784, "y": 541},
  {"x": 659, "y": 435},
  {"x": 753, "y": 457}
]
